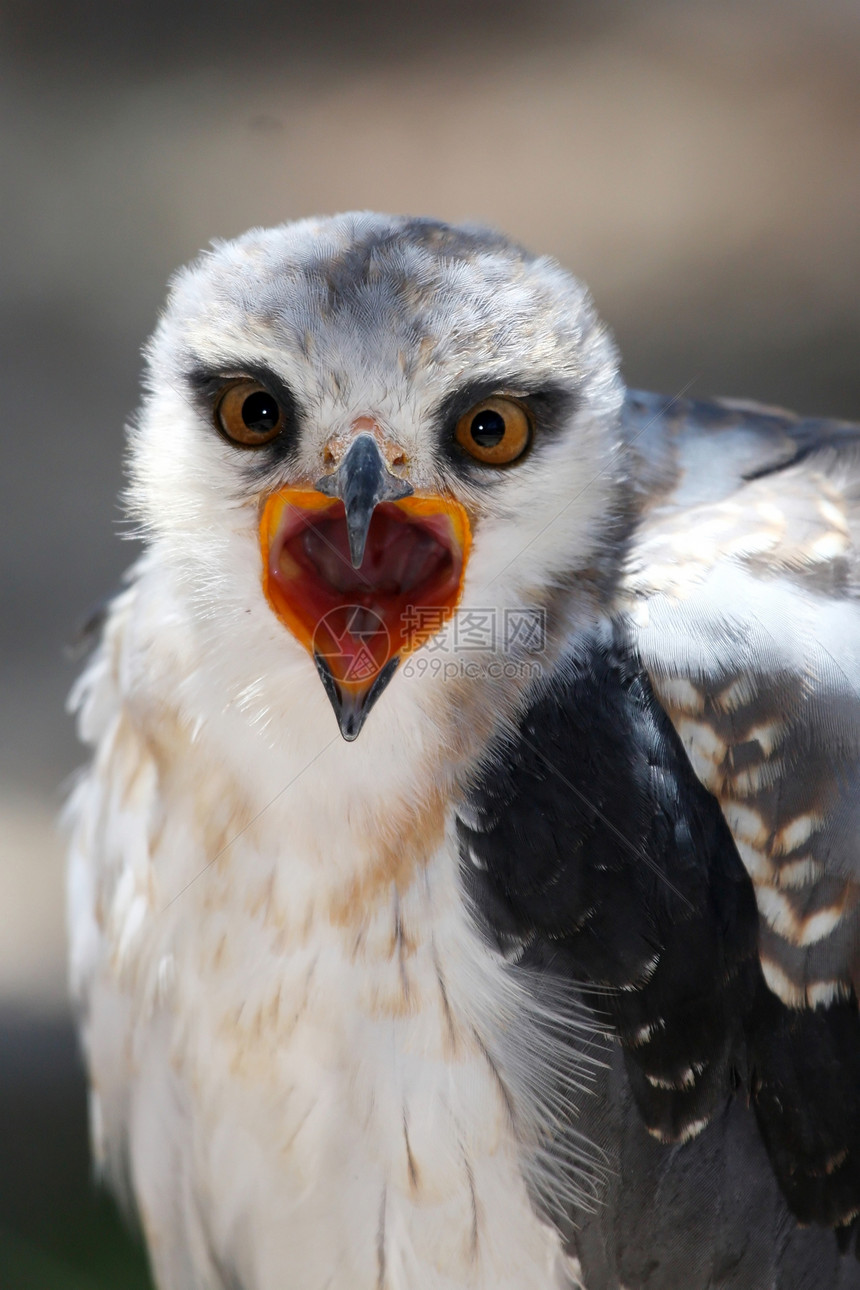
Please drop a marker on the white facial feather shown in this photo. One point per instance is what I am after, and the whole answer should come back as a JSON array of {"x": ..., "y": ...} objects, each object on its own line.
[{"x": 367, "y": 316}]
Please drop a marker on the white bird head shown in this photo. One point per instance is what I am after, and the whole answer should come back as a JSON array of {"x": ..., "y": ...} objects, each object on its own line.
[{"x": 363, "y": 434}]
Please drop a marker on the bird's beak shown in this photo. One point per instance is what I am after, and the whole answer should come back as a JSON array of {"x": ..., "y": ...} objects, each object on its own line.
[{"x": 362, "y": 572}]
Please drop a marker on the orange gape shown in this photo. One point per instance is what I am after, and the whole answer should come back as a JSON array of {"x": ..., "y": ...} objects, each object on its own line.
[{"x": 358, "y": 620}]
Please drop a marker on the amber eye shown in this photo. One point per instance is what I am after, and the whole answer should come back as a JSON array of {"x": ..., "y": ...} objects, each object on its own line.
[
  {"x": 248, "y": 414},
  {"x": 496, "y": 431}
]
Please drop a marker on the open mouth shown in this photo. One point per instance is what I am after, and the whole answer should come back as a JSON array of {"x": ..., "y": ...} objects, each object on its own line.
[{"x": 357, "y": 623}]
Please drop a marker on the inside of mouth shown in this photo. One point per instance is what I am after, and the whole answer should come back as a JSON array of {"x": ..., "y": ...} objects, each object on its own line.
[
  {"x": 400, "y": 556},
  {"x": 406, "y": 586}
]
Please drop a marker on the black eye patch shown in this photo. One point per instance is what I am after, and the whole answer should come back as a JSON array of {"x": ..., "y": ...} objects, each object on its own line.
[
  {"x": 207, "y": 386},
  {"x": 550, "y": 408}
]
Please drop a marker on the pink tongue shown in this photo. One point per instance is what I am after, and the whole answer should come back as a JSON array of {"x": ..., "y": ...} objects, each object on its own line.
[{"x": 397, "y": 558}]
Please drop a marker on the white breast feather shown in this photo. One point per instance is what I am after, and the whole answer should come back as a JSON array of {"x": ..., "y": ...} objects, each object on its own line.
[{"x": 300, "y": 1088}]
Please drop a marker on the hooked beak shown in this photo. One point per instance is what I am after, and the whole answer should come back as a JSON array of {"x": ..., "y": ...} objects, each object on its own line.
[
  {"x": 362, "y": 481},
  {"x": 362, "y": 572}
]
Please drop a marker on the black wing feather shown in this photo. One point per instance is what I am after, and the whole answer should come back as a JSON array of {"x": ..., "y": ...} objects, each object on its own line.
[
  {"x": 593, "y": 853},
  {"x": 593, "y": 848}
]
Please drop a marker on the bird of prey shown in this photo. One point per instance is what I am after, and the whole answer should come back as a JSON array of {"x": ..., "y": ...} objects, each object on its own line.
[{"x": 464, "y": 888}]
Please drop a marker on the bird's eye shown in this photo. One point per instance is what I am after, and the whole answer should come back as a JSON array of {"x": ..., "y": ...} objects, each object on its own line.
[
  {"x": 248, "y": 414},
  {"x": 496, "y": 431}
]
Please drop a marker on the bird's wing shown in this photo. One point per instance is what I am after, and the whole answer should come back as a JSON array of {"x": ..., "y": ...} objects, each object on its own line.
[
  {"x": 743, "y": 582},
  {"x": 675, "y": 821}
]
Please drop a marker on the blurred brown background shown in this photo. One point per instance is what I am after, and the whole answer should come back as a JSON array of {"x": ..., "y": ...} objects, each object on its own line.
[{"x": 698, "y": 163}]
